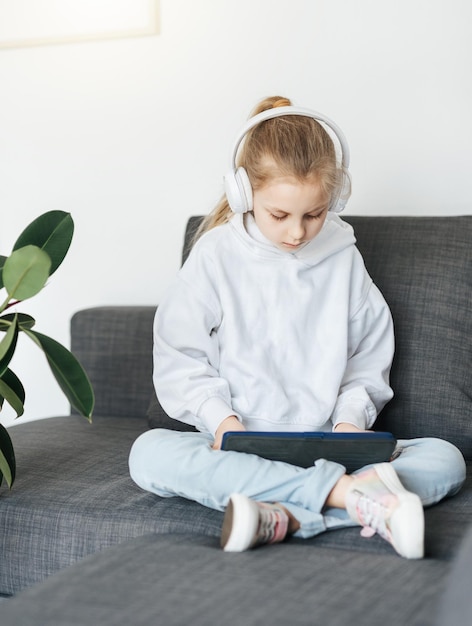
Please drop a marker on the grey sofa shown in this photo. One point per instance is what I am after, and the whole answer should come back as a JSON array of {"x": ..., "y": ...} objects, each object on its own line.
[{"x": 73, "y": 497}]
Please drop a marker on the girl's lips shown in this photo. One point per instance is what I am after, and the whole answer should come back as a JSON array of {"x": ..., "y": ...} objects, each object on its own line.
[{"x": 292, "y": 245}]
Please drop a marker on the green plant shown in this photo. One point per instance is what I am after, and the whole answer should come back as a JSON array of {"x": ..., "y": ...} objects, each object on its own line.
[{"x": 36, "y": 255}]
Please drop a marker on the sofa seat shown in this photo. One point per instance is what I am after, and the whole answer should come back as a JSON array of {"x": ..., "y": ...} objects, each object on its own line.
[
  {"x": 74, "y": 497},
  {"x": 183, "y": 579}
]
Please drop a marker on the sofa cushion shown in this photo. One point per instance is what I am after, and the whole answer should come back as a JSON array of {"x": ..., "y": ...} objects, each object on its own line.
[
  {"x": 114, "y": 345},
  {"x": 73, "y": 496},
  {"x": 456, "y": 604},
  {"x": 423, "y": 266},
  {"x": 184, "y": 579},
  {"x": 158, "y": 418}
]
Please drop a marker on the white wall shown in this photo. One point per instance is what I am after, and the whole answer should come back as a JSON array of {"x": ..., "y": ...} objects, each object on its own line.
[{"x": 132, "y": 136}]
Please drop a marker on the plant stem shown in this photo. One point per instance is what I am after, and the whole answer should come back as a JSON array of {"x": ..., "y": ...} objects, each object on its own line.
[
  {"x": 5, "y": 304},
  {"x": 14, "y": 303}
]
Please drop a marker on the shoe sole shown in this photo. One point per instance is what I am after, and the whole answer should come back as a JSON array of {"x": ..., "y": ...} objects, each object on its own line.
[
  {"x": 239, "y": 524},
  {"x": 407, "y": 524}
]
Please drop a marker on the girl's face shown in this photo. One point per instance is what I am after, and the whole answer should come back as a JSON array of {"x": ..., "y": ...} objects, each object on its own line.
[{"x": 290, "y": 213}]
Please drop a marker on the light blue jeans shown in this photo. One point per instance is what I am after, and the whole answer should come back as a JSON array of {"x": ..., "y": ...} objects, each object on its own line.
[{"x": 170, "y": 463}]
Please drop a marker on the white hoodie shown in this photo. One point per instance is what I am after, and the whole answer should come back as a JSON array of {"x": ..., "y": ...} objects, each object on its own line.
[{"x": 286, "y": 341}]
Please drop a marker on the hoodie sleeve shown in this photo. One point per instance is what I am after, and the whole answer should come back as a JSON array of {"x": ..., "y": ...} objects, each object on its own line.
[
  {"x": 365, "y": 386},
  {"x": 186, "y": 355}
]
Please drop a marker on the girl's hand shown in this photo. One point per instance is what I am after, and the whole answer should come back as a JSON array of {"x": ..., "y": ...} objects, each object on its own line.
[{"x": 230, "y": 423}]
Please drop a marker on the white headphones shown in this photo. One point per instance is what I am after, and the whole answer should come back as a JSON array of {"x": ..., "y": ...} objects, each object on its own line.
[{"x": 237, "y": 185}]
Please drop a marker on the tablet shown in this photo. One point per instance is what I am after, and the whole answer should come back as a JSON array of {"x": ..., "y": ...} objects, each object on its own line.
[{"x": 353, "y": 450}]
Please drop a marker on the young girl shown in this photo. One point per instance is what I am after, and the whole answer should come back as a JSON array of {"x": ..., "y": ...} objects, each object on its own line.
[{"x": 274, "y": 324}]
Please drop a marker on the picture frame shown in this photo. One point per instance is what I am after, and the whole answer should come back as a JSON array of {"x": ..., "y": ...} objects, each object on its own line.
[{"x": 25, "y": 23}]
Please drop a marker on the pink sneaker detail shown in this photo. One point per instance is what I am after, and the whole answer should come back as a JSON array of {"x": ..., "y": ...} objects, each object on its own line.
[
  {"x": 248, "y": 523},
  {"x": 273, "y": 523},
  {"x": 380, "y": 504}
]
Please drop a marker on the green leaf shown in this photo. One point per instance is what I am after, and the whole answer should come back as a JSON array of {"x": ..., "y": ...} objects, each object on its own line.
[
  {"x": 8, "y": 345},
  {"x": 2, "y": 263},
  {"x": 52, "y": 232},
  {"x": 13, "y": 391},
  {"x": 25, "y": 272},
  {"x": 25, "y": 322},
  {"x": 68, "y": 372},
  {"x": 7, "y": 457}
]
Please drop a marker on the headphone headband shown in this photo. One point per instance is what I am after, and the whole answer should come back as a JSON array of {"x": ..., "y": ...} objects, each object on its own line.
[
  {"x": 237, "y": 184},
  {"x": 292, "y": 110}
]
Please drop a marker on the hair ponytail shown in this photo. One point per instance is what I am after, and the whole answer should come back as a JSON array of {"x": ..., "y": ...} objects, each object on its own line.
[{"x": 273, "y": 102}]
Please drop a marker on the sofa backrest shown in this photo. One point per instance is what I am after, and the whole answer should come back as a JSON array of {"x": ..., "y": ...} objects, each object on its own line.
[
  {"x": 423, "y": 267},
  {"x": 114, "y": 345}
]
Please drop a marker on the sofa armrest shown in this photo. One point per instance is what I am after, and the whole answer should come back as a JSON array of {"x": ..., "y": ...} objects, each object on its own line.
[{"x": 114, "y": 345}]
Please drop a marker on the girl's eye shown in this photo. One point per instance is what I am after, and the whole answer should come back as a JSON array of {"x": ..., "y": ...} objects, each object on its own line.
[{"x": 308, "y": 217}]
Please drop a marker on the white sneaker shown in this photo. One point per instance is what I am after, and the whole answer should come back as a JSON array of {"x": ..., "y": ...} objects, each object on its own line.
[
  {"x": 248, "y": 523},
  {"x": 378, "y": 501}
]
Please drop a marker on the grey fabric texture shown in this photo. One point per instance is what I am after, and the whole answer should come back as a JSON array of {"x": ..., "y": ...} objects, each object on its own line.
[
  {"x": 456, "y": 605},
  {"x": 158, "y": 418},
  {"x": 423, "y": 266},
  {"x": 114, "y": 345},
  {"x": 74, "y": 497},
  {"x": 178, "y": 580}
]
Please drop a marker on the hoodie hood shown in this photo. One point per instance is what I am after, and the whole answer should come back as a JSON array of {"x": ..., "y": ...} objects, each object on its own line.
[{"x": 336, "y": 235}]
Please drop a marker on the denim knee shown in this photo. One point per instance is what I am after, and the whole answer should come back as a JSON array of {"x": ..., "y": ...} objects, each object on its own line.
[
  {"x": 430, "y": 467},
  {"x": 452, "y": 462},
  {"x": 145, "y": 448}
]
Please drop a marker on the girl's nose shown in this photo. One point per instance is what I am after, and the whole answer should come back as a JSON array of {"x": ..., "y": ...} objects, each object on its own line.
[{"x": 296, "y": 231}]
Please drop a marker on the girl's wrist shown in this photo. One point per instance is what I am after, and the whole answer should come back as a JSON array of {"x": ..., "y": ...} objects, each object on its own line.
[
  {"x": 229, "y": 423},
  {"x": 346, "y": 427}
]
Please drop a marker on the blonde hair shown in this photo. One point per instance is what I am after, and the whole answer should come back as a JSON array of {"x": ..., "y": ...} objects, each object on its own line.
[{"x": 289, "y": 145}]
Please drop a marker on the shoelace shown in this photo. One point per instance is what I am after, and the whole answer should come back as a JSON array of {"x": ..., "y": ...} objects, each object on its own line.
[
  {"x": 271, "y": 527},
  {"x": 372, "y": 515}
]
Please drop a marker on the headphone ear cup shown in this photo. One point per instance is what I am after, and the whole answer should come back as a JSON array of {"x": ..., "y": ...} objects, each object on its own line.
[
  {"x": 238, "y": 190},
  {"x": 344, "y": 193}
]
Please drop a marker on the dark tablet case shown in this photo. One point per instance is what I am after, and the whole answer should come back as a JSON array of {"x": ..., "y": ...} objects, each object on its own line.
[{"x": 353, "y": 450}]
